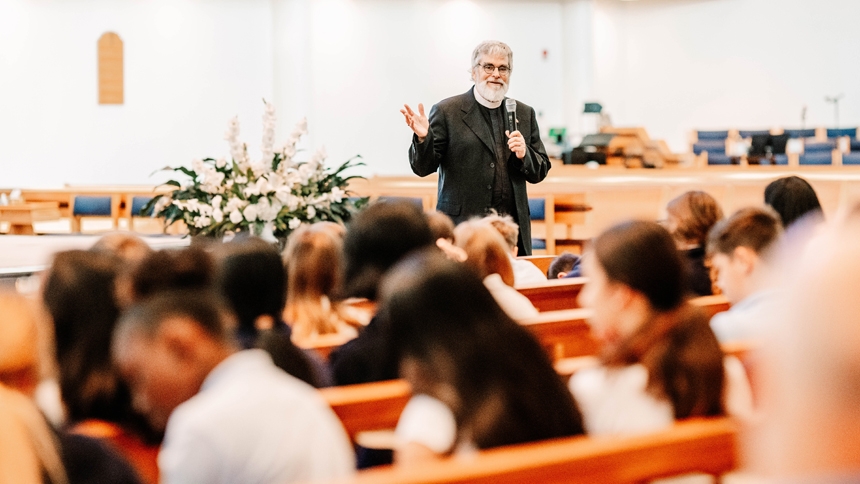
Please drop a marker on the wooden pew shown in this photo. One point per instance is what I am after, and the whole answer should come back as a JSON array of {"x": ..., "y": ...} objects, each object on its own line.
[
  {"x": 563, "y": 333},
  {"x": 554, "y": 295},
  {"x": 368, "y": 406},
  {"x": 542, "y": 262},
  {"x": 696, "y": 445}
]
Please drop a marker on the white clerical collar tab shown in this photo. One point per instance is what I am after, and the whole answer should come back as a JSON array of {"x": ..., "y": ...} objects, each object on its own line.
[{"x": 484, "y": 102}]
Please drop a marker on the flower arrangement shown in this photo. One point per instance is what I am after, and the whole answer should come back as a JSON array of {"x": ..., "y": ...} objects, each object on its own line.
[{"x": 270, "y": 197}]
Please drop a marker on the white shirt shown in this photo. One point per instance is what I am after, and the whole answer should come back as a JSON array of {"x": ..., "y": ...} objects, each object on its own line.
[
  {"x": 429, "y": 422},
  {"x": 511, "y": 301},
  {"x": 526, "y": 273},
  {"x": 746, "y": 319},
  {"x": 253, "y": 423},
  {"x": 614, "y": 401}
]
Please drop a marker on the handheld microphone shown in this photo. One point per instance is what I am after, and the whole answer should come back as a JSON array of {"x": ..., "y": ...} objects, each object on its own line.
[{"x": 511, "y": 111}]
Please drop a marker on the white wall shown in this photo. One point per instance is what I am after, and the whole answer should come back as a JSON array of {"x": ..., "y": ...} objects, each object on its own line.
[
  {"x": 677, "y": 65},
  {"x": 349, "y": 65},
  {"x": 189, "y": 67}
]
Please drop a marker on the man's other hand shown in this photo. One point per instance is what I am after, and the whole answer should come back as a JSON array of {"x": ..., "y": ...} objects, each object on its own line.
[
  {"x": 516, "y": 143},
  {"x": 418, "y": 122}
]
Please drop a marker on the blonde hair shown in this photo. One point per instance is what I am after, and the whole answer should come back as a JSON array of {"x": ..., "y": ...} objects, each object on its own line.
[
  {"x": 485, "y": 249},
  {"x": 505, "y": 226},
  {"x": 313, "y": 261}
]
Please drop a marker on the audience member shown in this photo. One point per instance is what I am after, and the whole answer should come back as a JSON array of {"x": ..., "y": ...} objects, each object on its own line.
[
  {"x": 28, "y": 451},
  {"x": 376, "y": 238},
  {"x": 660, "y": 360},
  {"x": 793, "y": 198},
  {"x": 20, "y": 355},
  {"x": 480, "y": 379},
  {"x": 441, "y": 226},
  {"x": 171, "y": 270},
  {"x": 313, "y": 263},
  {"x": 128, "y": 247},
  {"x": 229, "y": 415},
  {"x": 741, "y": 252},
  {"x": 252, "y": 279},
  {"x": 524, "y": 271},
  {"x": 565, "y": 265},
  {"x": 689, "y": 218},
  {"x": 78, "y": 294},
  {"x": 487, "y": 254},
  {"x": 811, "y": 366}
]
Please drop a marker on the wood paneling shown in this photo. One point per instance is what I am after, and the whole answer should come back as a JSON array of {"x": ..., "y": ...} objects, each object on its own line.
[{"x": 110, "y": 69}]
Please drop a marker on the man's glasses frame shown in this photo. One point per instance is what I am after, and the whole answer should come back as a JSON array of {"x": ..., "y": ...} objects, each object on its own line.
[{"x": 490, "y": 68}]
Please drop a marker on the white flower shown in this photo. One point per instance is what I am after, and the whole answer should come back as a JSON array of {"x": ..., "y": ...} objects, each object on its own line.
[
  {"x": 336, "y": 195},
  {"x": 312, "y": 212},
  {"x": 236, "y": 216},
  {"x": 161, "y": 204},
  {"x": 217, "y": 215},
  {"x": 216, "y": 201},
  {"x": 234, "y": 203},
  {"x": 294, "y": 223},
  {"x": 198, "y": 166},
  {"x": 221, "y": 162},
  {"x": 250, "y": 213}
]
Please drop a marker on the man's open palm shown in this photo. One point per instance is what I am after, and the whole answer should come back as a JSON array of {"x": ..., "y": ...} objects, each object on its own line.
[{"x": 418, "y": 122}]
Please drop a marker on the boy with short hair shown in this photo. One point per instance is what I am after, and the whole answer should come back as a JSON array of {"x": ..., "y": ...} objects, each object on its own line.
[{"x": 740, "y": 249}]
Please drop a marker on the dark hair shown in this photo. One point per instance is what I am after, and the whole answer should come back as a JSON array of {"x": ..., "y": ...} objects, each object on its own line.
[
  {"x": 754, "y": 228},
  {"x": 793, "y": 198},
  {"x": 79, "y": 295},
  {"x": 376, "y": 238},
  {"x": 696, "y": 212},
  {"x": 441, "y": 225},
  {"x": 643, "y": 255},
  {"x": 252, "y": 278},
  {"x": 563, "y": 263},
  {"x": 676, "y": 346},
  {"x": 204, "y": 307},
  {"x": 172, "y": 269},
  {"x": 440, "y": 315}
]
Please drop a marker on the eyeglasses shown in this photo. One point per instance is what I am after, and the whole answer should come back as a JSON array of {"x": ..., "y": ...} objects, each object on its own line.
[{"x": 490, "y": 68}]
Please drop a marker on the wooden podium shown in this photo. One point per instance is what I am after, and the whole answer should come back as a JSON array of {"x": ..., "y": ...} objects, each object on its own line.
[{"x": 22, "y": 215}]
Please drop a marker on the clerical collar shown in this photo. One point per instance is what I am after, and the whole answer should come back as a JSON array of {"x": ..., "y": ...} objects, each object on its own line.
[{"x": 484, "y": 102}]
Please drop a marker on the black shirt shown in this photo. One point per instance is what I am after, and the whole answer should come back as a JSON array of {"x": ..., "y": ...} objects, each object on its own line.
[{"x": 503, "y": 193}]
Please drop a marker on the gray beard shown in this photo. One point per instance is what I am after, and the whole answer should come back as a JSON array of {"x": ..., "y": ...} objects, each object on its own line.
[{"x": 492, "y": 95}]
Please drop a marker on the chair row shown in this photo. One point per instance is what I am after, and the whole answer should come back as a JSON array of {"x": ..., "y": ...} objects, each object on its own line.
[{"x": 838, "y": 146}]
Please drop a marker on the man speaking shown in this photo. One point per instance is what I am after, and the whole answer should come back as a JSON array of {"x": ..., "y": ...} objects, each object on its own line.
[{"x": 485, "y": 146}]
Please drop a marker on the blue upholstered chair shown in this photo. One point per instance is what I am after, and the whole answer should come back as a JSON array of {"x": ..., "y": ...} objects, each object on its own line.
[
  {"x": 800, "y": 133},
  {"x": 137, "y": 204},
  {"x": 92, "y": 206},
  {"x": 852, "y": 158},
  {"x": 780, "y": 159},
  {"x": 840, "y": 132},
  {"x": 855, "y": 145},
  {"x": 819, "y": 146},
  {"x": 817, "y": 158},
  {"x": 750, "y": 133},
  {"x": 537, "y": 210},
  {"x": 712, "y": 135}
]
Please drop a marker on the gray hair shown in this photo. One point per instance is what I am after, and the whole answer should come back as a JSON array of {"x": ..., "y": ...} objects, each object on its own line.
[{"x": 492, "y": 47}]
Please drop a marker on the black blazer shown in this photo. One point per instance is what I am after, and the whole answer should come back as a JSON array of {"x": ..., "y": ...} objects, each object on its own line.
[{"x": 459, "y": 144}]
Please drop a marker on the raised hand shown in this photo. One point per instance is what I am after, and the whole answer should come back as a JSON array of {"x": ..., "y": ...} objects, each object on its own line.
[{"x": 418, "y": 122}]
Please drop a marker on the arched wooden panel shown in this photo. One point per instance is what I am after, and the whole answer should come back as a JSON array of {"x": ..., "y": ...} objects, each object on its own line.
[{"x": 110, "y": 69}]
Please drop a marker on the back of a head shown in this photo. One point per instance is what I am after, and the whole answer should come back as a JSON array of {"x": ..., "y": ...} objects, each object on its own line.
[
  {"x": 252, "y": 278},
  {"x": 506, "y": 227},
  {"x": 201, "y": 306},
  {"x": 643, "y": 256},
  {"x": 754, "y": 228},
  {"x": 812, "y": 361},
  {"x": 376, "y": 238},
  {"x": 440, "y": 314},
  {"x": 441, "y": 225},
  {"x": 793, "y": 198},
  {"x": 313, "y": 263},
  {"x": 172, "y": 269},
  {"x": 694, "y": 213},
  {"x": 563, "y": 263},
  {"x": 128, "y": 247},
  {"x": 79, "y": 295},
  {"x": 485, "y": 249}
]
